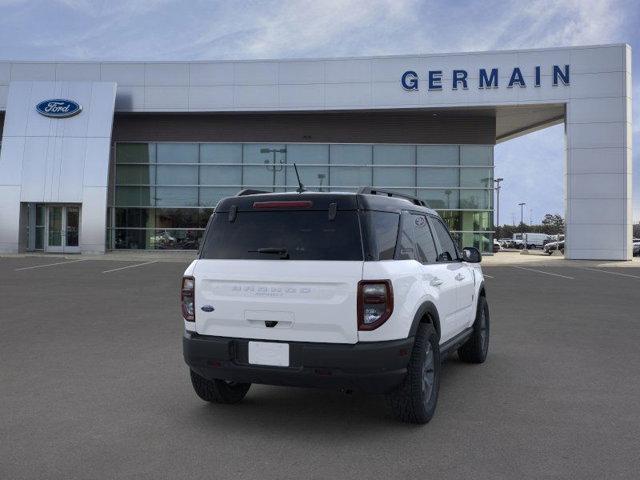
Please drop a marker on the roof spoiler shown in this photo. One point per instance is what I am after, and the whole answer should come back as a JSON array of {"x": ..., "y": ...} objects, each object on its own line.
[
  {"x": 250, "y": 191},
  {"x": 387, "y": 193}
]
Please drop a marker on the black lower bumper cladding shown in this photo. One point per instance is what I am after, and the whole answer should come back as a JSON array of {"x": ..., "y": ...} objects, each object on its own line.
[{"x": 373, "y": 367}]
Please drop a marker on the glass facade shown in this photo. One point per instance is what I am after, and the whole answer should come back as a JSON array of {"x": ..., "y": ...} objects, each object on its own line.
[{"x": 164, "y": 193}]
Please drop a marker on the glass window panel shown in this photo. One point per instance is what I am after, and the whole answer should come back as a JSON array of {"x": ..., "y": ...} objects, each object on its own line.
[
  {"x": 313, "y": 177},
  {"x": 438, "y": 155},
  {"x": 265, "y": 175},
  {"x": 471, "y": 221},
  {"x": 214, "y": 175},
  {"x": 440, "y": 199},
  {"x": 134, "y": 217},
  {"x": 476, "y": 155},
  {"x": 394, "y": 155},
  {"x": 210, "y": 196},
  {"x": 221, "y": 153},
  {"x": 177, "y": 152},
  {"x": 177, "y": 217},
  {"x": 351, "y": 155},
  {"x": 40, "y": 217},
  {"x": 453, "y": 219},
  {"x": 439, "y": 177},
  {"x": 476, "y": 177},
  {"x": 176, "y": 196},
  {"x": 135, "y": 174},
  {"x": 175, "y": 239},
  {"x": 476, "y": 199},
  {"x": 177, "y": 175},
  {"x": 350, "y": 176},
  {"x": 301, "y": 154},
  {"x": 39, "y": 238},
  {"x": 135, "y": 196},
  {"x": 135, "y": 153},
  {"x": 482, "y": 241},
  {"x": 131, "y": 239},
  {"x": 394, "y": 177}
]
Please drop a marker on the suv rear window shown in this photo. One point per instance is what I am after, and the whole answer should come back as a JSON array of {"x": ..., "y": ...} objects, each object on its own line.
[{"x": 274, "y": 235}]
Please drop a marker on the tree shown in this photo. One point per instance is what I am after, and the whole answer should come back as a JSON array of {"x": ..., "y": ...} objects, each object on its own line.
[{"x": 553, "y": 220}]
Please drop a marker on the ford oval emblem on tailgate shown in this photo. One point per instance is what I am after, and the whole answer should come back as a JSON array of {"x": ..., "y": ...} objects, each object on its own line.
[{"x": 207, "y": 308}]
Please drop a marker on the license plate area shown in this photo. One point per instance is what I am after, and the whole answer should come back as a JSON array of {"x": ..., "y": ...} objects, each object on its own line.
[{"x": 269, "y": 353}]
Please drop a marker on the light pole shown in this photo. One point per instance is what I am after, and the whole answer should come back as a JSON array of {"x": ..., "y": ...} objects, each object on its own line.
[
  {"x": 498, "y": 187},
  {"x": 524, "y": 240},
  {"x": 274, "y": 166}
]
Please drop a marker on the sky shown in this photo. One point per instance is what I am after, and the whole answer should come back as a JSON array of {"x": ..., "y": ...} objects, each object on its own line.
[{"x": 532, "y": 165}]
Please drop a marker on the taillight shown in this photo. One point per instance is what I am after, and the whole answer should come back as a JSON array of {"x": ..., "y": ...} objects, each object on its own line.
[
  {"x": 375, "y": 303},
  {"x": 187, "y": 298}
]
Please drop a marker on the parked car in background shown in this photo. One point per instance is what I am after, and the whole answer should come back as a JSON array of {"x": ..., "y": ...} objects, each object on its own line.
[
  {"x": 533, "y": 240},
  {"x": 496, "y": 246},
  {"x": 551, "y": 247},
  {"x": 506, "y": 242},
  {"x": 636, "y": 247}
]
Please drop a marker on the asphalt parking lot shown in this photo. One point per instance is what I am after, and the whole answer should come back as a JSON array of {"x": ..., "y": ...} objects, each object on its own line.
[{"x": 93, "y": 385}]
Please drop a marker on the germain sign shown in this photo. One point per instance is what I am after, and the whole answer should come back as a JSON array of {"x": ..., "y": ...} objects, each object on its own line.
[
  {"x": 58, "y": 108},
  {"x": 487, "y": 78}
]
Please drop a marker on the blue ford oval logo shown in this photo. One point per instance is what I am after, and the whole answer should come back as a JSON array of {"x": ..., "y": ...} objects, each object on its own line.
[{"x": 58, "y": 108}]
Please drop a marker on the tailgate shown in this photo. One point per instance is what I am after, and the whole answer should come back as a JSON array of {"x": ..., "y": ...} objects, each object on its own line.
[{"x": 303, "y": 301}]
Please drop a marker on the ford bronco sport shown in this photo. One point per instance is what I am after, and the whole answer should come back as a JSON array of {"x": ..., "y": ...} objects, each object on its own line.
[{"x": 356, "y": 291}]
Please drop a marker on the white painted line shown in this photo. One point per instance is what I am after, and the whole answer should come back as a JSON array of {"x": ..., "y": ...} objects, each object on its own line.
[
  {"x": 610, "y": 273},
  {"x": 544, "y": 273},
  {"x": 130, "y": 266},
  {"x": 49, "y": 265},
  {"x": 488, "y": 276}
]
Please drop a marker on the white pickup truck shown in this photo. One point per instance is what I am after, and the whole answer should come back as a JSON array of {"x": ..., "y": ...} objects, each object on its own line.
[{"x": 351, "y": 291}]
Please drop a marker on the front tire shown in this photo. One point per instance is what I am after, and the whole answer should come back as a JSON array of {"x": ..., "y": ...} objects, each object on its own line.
[
  {"x": 414, "y": 401},
  {"x": 475, "y": 349},
  {"x": 218, "y": 391}
]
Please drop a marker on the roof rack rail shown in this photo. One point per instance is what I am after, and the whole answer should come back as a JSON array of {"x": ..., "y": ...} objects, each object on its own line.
[
  {"x": 250, "y": 191},
  {"x": 380, "y": 191}
]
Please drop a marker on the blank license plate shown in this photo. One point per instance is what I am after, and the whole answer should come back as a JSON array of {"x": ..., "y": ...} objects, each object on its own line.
[{"x": 269, "y": 353}]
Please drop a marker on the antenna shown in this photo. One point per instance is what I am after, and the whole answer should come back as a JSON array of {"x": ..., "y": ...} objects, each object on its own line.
[{"x": 300, "y": 188}]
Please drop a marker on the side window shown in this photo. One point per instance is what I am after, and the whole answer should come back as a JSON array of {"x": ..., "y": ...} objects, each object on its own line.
[
  {"x": 406, "y": 242},
  {"x": 382, "y": 234},
  {"x": 448, "y": 251},
  {"x": 425, "y": 247}
]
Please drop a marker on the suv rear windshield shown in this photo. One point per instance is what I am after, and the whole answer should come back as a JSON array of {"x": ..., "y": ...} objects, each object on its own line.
[{"x": 275, "y": 235}]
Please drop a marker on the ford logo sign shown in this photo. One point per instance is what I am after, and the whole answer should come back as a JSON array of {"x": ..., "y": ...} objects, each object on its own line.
[{"x": 58, "y": 108}]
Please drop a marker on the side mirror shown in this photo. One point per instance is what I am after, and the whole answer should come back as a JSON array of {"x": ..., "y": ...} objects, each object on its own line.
[{"x": 471, "y": 255}]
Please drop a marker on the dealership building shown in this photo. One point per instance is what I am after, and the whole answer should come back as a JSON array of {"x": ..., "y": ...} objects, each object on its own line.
[{"x": 99, "y": 156}]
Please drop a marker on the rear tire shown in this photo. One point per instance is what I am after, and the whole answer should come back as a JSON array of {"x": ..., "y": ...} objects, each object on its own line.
[
  {"x": 218, "y": 391},
  {"x": 414, "y": 401},
  {"x": 475, "y": 349}
]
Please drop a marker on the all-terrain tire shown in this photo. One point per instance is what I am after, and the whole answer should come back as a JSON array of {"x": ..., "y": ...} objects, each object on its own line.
[
  {"x": 475, "y": 349},
  {"x": 218, "y": 391},
  {"x": 414, "y": 401}
]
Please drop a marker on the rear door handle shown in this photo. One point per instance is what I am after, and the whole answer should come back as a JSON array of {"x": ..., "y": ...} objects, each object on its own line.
[
  {"x": 459, "y": 277},
  {"x": 436, "y": 282}
]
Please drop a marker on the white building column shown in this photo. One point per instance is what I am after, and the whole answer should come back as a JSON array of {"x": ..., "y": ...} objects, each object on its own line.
[{"x": 598, "y": 205}]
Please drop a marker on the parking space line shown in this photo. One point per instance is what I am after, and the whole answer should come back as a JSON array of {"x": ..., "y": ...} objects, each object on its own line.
[
  {"x": 545, "y": 273},
  {"x": 130, "y": 266},
  {"x": 49, "y": 265},
  {"x": 610, "y": 273},
  {"x": 488, "y": 276}
]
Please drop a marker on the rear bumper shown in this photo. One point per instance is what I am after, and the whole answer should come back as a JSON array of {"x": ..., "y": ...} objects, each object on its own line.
[{"x": 373, "y": 367}]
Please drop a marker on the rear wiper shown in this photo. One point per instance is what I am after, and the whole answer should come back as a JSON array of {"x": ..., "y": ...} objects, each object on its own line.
[{"x": 284, "y": 254}]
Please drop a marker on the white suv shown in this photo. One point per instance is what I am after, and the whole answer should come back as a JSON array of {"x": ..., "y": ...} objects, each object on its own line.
[{"x": 356, "y": 291}]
